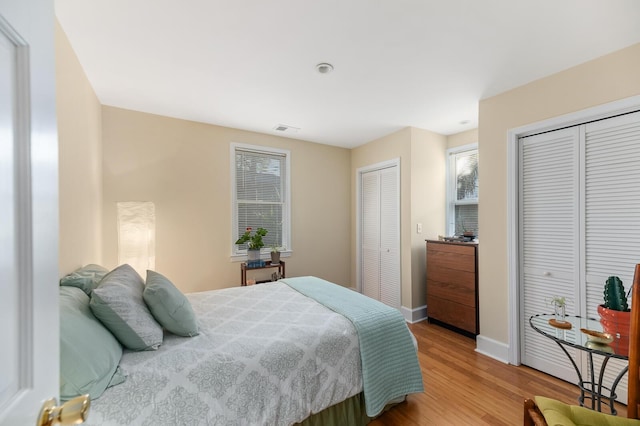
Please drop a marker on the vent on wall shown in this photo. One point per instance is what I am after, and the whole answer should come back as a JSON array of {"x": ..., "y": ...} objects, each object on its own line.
[{"x": 286, "y": 128}]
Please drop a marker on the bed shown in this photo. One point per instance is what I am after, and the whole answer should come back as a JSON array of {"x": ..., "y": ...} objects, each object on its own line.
[{"x": 268, "y": 354}]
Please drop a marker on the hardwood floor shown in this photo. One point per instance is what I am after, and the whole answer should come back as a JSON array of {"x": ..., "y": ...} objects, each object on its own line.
[{"x": 463, "y": 387}]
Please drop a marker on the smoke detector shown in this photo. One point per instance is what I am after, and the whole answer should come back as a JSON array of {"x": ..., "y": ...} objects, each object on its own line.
[{"x": 324, "y": 68}]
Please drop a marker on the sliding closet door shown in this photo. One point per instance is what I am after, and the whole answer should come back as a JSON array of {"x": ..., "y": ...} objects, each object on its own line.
[
  {"x": 548, "y": 240},
  {"x": 380, "y": 235},
  {"x": 612, "y": 211}
]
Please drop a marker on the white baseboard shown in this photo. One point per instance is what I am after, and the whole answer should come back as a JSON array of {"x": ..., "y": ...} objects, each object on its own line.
[
  {"x": 410, "y": 315},
  {"x": 414, "y": 315},
  {"x": 492, "y": 348}
]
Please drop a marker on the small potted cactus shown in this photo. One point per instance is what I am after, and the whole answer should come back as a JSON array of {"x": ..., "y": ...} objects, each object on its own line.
[{"x": 615, "y": 315}]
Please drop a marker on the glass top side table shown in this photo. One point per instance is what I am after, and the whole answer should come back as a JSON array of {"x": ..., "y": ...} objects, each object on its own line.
[{"x": 573, "y": 337}]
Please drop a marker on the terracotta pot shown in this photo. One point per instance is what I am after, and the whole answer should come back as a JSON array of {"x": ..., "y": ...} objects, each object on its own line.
[{"x": 617, "y": 324}]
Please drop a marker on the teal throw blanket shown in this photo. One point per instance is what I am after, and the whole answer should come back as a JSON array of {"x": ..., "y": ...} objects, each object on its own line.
[{"x": 390, "y": 367}]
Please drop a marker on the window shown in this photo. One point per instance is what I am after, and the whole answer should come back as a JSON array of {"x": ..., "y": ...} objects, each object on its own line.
[
  {"x": 462, "y": 190},
  {"x": 260, "y": 178}
]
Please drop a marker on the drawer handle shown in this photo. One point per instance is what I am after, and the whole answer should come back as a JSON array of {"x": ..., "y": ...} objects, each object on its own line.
[{"x": 547, "y": 274}]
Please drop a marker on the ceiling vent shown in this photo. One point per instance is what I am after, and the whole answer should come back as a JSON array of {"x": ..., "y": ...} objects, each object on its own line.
[{"x": 286, "y": 128}]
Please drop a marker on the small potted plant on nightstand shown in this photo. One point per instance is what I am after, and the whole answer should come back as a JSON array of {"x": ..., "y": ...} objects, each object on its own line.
[
  {"x": 254, "y": 244},
  {"x": 275, "y": 255}
]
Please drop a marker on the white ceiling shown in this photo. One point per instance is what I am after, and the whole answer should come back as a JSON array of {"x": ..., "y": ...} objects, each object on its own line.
[{"x": 250, "y": 64}]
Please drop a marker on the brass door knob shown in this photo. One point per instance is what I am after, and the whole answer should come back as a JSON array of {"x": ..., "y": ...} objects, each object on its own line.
[{"x": 73, "y": 412}]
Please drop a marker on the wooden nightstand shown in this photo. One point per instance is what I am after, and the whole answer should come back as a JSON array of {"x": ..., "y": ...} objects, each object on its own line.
[{"x": 267, "y": 265}]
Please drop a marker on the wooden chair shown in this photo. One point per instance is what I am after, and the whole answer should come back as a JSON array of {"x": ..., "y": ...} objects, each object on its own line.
[{"x": 532, "y": 414}]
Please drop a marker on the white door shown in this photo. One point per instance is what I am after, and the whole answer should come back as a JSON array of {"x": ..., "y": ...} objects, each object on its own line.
[
  {"x": 390, "y": 237},
  {"x": 612, "y": 213},
  {"x": 379, "y": 229},
  {"x": 549, "y": 227},
  {"x": 29, "y": 360},
  {"x": 579, "y": 202},
  {"x": 370, "y": 234}
]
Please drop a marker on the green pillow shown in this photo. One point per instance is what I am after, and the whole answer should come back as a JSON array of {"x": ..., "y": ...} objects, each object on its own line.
[
  {"x": 85, "y": 278},
  {"x": 169, "y": 306},
  {"x": 89, "y": 354},
  {"x": 117, "y": 302},
  {"x": 557, "y": 413}
]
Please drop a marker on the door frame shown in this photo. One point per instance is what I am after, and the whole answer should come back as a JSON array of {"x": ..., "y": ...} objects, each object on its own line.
[
  {"x": 513, "y": 194},
  {"x": 395, "y": 162}
]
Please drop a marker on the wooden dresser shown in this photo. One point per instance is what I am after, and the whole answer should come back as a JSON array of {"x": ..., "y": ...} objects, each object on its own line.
[{"x": 452, "y": 284}]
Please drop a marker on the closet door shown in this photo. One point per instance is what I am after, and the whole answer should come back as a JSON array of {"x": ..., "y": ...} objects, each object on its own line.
[
  {"x": 612, "y": 203},
  {"x": 390, "y": 237},
  {"x": 612, "y": 211},
  {"x": 380, "y": 235},
  {"x": 548, "y": 240},
  {"x": 370, "y": 234}
]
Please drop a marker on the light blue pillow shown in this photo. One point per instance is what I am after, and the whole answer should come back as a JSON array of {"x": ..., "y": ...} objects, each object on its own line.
[
  {"x": 169, "y": 306},
  {"x": 117, "y": 302},
  {"x": 89, "y": 354},
  {"x": 85, "y": 278}
]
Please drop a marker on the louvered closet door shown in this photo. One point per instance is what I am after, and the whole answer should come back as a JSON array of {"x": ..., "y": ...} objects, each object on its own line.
[
  {"x": 612, "y": 212},
  {"x": 390, "y": 237},
  {"x": 370, "y": 234},
  {"x": 548, "y": 240},
  {"x": 380, "y": 235}
]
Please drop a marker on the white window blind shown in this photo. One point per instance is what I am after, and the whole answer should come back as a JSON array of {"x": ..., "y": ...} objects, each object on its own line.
[{"x": 261, "y": 195}]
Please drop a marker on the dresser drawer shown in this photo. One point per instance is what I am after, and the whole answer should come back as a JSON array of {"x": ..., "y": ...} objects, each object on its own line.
[
  {"x": 452, "y": 313},
  {"x": 458, "y": 258},
  {"x": 454, "y": 291}
]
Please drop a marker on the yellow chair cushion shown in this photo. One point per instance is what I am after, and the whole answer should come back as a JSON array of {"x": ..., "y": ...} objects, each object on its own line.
[{"x": 557, "y": 413}]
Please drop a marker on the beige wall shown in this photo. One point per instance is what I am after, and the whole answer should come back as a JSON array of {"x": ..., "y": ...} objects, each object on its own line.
[
  {"x": 184, "y": 168},
  {"x": 606, "y": 79},
  {"x": 428, "y": 198},
  {"x": 421, "y": 156},
  {"x": 462, "y": 138},
  {"x": 80, "y": 173}
]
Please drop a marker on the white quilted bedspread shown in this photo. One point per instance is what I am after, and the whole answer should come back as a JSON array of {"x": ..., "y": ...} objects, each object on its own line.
[{"x": 266, "y": 355}]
